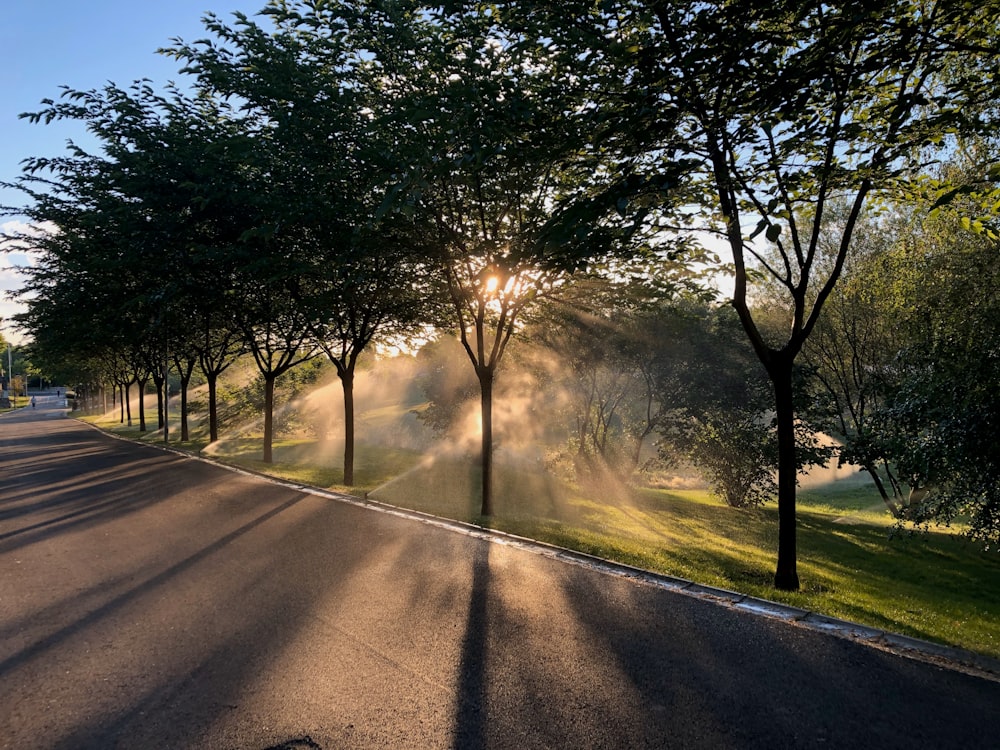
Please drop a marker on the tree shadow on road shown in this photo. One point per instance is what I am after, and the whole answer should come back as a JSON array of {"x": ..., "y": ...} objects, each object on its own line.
[
  {"x": 107, "y": 609},
  {"x": 760, "y": 682},
  {"x": 300, "y": 743},
  {"x": 472, "y": 711},
  {"x": 71, "y": 478}
]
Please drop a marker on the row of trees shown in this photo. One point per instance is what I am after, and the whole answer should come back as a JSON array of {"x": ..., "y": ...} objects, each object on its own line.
[{"x": 345, "y": 171}]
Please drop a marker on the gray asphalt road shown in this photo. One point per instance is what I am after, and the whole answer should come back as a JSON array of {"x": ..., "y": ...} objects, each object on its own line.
[{"x": 152, "y": 601}]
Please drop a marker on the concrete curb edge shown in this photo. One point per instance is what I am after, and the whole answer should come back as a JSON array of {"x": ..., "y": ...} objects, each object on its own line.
[{"x": 948, "y": 657}]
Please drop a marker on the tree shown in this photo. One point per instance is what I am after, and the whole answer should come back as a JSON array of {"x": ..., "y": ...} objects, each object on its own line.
[
  {"x": 487, "y": 156},
  {"x": 831, "y": 103},
  {"x": 275, "y": 330},
  {"x": 939, "y": 422},
  {"x": 218, "y": 347},
  {"x": 147, "y": 219},
  {"x": 184, "y": 363},
  {"x": 904, "y": 348},
  {"x": 81, "y": 292},
  {"x": 779, "y": 110},
  {"x": 612, "y": 396},
  {"x": 853, "y": 348}
]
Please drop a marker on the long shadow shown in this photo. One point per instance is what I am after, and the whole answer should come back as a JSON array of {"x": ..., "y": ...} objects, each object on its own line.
[
  {"x": 40, "y": 462},
  {"x": 107, "y": 486},
  {"x": 64, "y": 477},
  {"x": 472, "y": 716},
  {"x": 111, "y": 487},
  {"x": 299, "y": 743},
  {"x": 241, "y": 624},
  {"x": 706, "y": 676},
  {"x": 92, "y": 512},
  {"x": 20, "y": 657},
  {"x": 43, "y": 490}
]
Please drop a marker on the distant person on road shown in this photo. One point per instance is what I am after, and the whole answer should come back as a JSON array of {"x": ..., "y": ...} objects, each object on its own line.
[{"x": 32, "y": 402}]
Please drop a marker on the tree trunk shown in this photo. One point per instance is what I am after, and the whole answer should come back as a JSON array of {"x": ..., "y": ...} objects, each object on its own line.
[
  {"x": 890, "y": 501},
  {"x": 268, "y": 418},
  {"x": 161, "y": 411},
  {"x": 185, "y": 380},
  {"x": 166, "y": 407},
  {"x": 185, "y": 366},
  {"x": 486, "y": 458},
  {"x": 142, "y": 404},
  {"x": 126, "y": 399},
  {"x": 636, "y": 456},
  {"x": 347, "y": 381},
  {"x": 213, "y": 407},
  {"x": 166, "y": 401},
  {"x": 786, "y": 577}
]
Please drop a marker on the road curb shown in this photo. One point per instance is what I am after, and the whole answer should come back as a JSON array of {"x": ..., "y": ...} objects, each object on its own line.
[{"x": 947, "y": 657}]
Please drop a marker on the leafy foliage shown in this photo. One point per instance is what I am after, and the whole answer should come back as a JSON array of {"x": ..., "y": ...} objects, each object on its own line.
[{"x": 941, "y": 420}]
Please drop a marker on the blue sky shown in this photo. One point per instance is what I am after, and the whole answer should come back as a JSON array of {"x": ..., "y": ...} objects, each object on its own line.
[{"x": 45, "y": 44}]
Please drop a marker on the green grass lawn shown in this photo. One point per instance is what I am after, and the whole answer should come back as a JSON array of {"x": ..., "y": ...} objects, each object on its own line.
[
  {"x": 16, "y": 402},
  {"x": 853, "y": 563}
]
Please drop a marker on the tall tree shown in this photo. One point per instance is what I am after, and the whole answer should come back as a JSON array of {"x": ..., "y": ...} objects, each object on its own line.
[
  {"x": 84, "y": 294},
  {"x": 778, "y": 110},
  {"x": 603, "y": 340},
  {"x": 488, "y": 152},
  {"x": 278, "y": 337},
  {"x": 853, "y": 348}
]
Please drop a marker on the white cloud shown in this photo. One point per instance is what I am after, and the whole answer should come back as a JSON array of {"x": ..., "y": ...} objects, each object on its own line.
[
  {"x": 15, "y": 255},
  {"x": 11, "y": 277},
  {"x": 16, "y": 226},
  {"x": 8, "y": 310}
]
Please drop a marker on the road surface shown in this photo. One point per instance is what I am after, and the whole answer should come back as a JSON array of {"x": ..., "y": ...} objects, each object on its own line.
[{"x": 152, "y": 601}]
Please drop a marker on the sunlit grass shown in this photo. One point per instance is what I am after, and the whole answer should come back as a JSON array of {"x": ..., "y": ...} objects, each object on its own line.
[
  {"x": 855, "y": 501},
  {"x": 16, "y": 402},
  {"x": 853, "y": 562},
  {"x": 932, "y": 586},
  {"x": 319, "y": 464}
]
